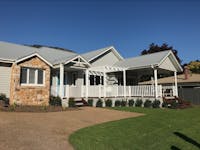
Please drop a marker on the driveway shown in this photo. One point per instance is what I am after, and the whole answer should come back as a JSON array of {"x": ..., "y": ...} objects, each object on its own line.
[{"x": 50, "y": 131}]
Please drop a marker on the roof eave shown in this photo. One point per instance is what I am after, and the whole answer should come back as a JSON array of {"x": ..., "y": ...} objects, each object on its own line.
[
  {"x": 3, "y": 60},
  {"x": 32, "y": 55}
]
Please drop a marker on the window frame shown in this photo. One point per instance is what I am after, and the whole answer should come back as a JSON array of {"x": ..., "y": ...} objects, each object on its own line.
[{"x": 28, "y": 75}]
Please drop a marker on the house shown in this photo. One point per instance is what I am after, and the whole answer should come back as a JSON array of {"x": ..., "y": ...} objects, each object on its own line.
[
  {"x": 188, "y": 86},
  {"x": 29, "y": 75}
]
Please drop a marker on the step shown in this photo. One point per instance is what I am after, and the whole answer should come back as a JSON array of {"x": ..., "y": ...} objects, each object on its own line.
[
  {"x": 79, "y": 102},
  {"x": 170, "y": 97}
]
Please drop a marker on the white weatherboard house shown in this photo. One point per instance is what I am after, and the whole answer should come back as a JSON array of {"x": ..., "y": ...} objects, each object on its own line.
[{"x": 29, "y": 75}]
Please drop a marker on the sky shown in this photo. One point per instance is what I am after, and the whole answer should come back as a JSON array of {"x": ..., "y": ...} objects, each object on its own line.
[{"x": 84, "y": 25}]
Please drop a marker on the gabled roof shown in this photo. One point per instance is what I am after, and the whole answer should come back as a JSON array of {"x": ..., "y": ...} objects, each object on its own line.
[
  {"x": 14, "y": 52},
  {"x": 89, "y": 56},
  {"x": 146, "y": 61},
  {"x": 56, "y": 56}
]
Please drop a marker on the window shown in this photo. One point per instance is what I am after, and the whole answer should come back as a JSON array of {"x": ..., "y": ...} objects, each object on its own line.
[
  {"x": 32, "y": 76},
  {"x": 40, "y": 76},
  {"x": 23, "y": 75}
]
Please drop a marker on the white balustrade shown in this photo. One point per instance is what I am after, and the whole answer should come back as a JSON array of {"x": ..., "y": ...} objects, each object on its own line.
[{"x": 114, "y": 91}]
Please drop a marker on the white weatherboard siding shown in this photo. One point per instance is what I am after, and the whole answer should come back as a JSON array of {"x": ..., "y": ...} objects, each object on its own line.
[
  {"x": 107, "y": 60},
  {"x": 5, "y": 73},
  {"x": 168, "y": 65}
]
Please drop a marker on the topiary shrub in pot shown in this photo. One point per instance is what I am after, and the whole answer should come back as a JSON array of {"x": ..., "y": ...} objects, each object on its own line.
[
  {"x": 131, "y": 103},
  {"x": 123, "y": 103},
  {"x": 108, "y": 103},
  {"x": 55, "y": 101},
  {"x": 138, "y": 103},
  {"x": 156, "y": 104},
  {"x": 99, "y": 103},
  {"x": 90, "y": 102},
  {"x": 72, "y": 102},
  {"x": 117, "y": 103},
  {"x": 147, "y": 103}
]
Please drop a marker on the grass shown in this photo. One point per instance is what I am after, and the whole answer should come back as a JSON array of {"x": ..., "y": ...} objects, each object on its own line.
[{"x": 161, "y": 129}]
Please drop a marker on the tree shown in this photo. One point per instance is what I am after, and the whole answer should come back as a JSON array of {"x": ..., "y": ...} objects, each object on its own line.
[
  {"x": 194, "y": 66},
  {"x": 153, "y": 48}
]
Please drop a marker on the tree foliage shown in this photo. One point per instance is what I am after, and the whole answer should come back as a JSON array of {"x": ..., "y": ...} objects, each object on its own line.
[
  {"x": 194, "y": 66},
  {"x": 153, "y": 48}
]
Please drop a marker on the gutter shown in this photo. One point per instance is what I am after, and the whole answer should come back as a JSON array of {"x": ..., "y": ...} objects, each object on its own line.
[{"x": 6, "y": 60}]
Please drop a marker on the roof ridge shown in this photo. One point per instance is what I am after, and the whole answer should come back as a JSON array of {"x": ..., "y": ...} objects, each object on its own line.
[{"x": 55, "y": 48}]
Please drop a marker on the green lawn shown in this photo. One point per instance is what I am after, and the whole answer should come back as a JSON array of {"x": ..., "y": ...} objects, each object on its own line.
[{"x": 159, "y": 129}]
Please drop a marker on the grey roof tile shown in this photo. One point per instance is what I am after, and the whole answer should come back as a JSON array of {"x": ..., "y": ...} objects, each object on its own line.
[
  {"x": 89, "y": 55},
  {"x": 15, "y": 51},
  {"x": 142, "y": 61}
]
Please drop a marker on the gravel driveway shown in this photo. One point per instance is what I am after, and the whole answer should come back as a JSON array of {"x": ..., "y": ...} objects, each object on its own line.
[{"x": 50, "y": 131}]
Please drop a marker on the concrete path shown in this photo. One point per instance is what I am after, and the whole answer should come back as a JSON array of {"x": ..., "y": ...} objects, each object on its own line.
[{"x": 50, "y": 131}]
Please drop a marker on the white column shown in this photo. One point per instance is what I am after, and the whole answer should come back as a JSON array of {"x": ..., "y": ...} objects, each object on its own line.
[
  {"x": 124, "y": 80},
  {"x": 176, "y": 85},
  {"x": 67, "y": 85},
  {"x": 156, "y": 82},
  {"x": 86, "y": 82},
  {"x": 104, "y": 83},
  {"x": 61, "y": 92}
]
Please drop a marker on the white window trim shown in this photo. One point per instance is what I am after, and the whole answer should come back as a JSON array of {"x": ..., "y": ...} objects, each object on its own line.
[{"x": 36, "y": 78}]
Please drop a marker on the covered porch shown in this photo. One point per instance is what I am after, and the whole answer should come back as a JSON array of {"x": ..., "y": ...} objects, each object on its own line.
[
  {"x": 111, "y": 82},
  {"x": 78, "y": 79}
]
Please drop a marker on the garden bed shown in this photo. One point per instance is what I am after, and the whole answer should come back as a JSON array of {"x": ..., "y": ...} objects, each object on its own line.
[{"x": 12, "y": 108}]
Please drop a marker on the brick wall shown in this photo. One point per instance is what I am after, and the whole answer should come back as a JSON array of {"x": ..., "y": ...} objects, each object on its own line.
[{"x": 29, "y": 95}]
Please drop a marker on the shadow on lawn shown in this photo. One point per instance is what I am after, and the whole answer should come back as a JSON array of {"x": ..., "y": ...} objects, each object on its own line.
[
  {"x": 187, "y": 139},
  {"x": 175, "y": 148}
]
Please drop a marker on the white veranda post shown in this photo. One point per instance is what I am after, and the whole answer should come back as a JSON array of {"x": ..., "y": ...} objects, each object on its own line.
[
  {"x": 156, "y": 82},
  {"x": 104, "y": 83},
  {"x": 175, "y": 82},
  {"x": 61, "y": 92},
  {"x": 86, "y": 82},
  {"x": 124, "y": 81}
]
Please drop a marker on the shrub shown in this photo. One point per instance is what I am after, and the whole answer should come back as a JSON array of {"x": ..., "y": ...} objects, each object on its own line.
[
  {"x": 123, "y": 103},
  {"x": 90, "y": 102},
  {"x": 131, "y": 102},
  {"x": 174, "y": 104},
  {"x": 108, "y": 103},
  {"x": 156, "y": 104},
  {"x": 117, "y": 103},
  {"x": 4, "y": 98},
  {"x": 147, "y": 103},
  {"x": 99, "y": 103},
  {"x": 72, "y": 102},
  {"x": 165, "y": 104},
  {"x": 55, "y": 101},
  {"x": 138, "y": 103}
]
